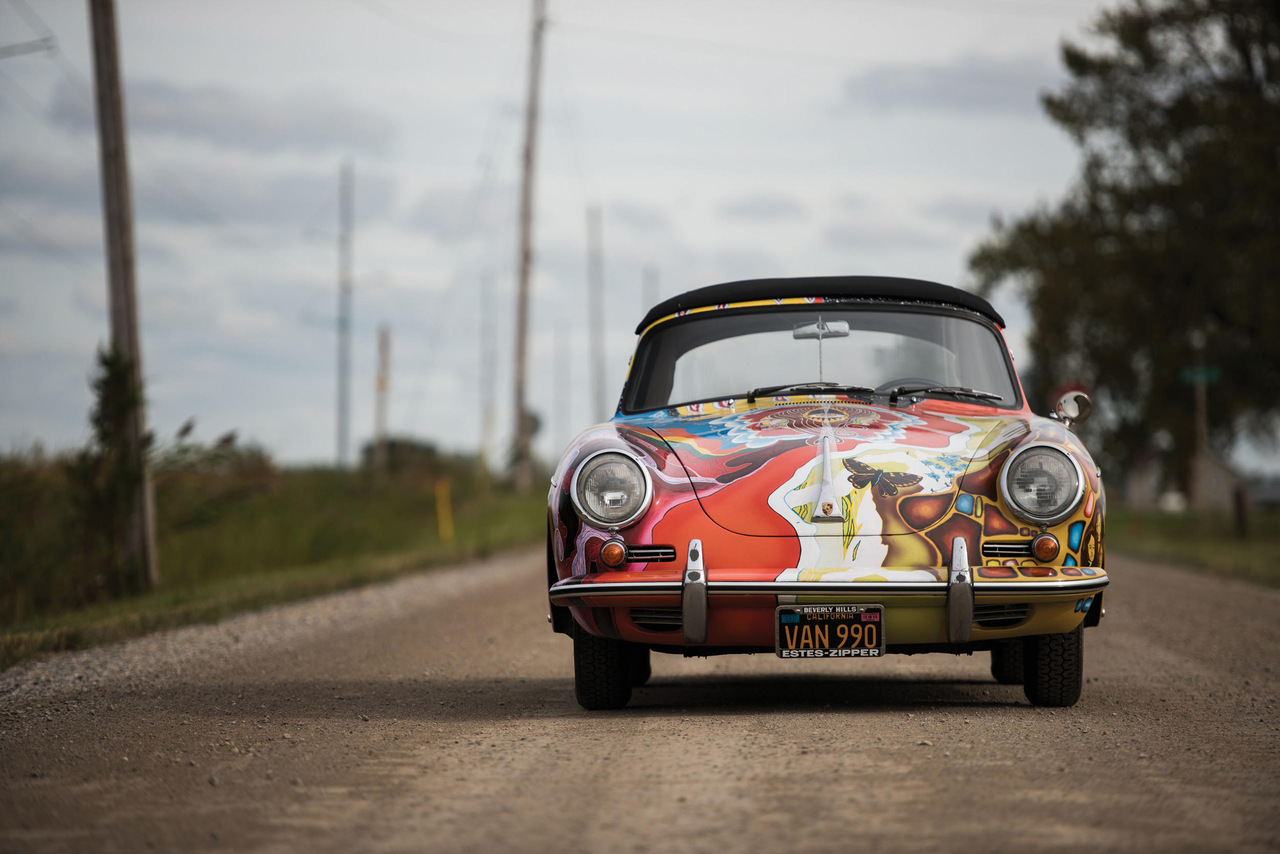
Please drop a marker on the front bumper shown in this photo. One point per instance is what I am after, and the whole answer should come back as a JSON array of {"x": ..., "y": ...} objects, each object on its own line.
[{"x": 734, "y": 608}]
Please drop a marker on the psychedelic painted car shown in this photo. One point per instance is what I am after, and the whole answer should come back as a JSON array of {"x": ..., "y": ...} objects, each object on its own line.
[{"x": 827, "y": 467}]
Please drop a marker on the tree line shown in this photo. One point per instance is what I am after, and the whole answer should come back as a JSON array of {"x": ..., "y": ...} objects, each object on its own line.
[{"x": 1161, "y": 266}]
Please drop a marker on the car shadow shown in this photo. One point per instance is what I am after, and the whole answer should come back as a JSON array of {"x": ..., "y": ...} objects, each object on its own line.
[
  {"x": 755, "y": 694},
  {"x": 484, "y": 699}
]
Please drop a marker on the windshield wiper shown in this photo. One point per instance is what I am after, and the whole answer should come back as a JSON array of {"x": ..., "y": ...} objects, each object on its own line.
[
  {"x": 832, "y": 388},
  {"x": 961, "y": 391},
  {"x": 953, "y": 390}
]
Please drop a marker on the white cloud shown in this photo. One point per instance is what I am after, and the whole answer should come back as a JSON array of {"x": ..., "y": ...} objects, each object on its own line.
[
  {"x": 970, "y": 85},
  {"x": 763, "y": 207},
  {"x": 733, "y": 141},
  {"x": 228, "y": 119}
]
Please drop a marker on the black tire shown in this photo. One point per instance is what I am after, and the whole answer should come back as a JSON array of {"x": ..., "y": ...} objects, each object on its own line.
[
  {"x": 1006, "y": 662},
  {"x": 1053, "y": 668},
  {"x": 641, "y": 669},
  {"x": 601, "y": 671}
]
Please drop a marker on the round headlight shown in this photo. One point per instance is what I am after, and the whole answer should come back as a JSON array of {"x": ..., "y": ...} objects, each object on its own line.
[
  {"x": 1042, "y": 484},
  {"x": 610, "y": 489}
]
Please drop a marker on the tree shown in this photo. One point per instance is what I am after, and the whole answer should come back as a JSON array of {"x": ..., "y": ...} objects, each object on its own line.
[
  {"x": 105, "y": 477},
  {"x": 1165, "y": 255}
]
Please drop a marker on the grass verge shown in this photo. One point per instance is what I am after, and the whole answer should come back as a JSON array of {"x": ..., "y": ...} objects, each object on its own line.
[
  {"x": 502, "y": 523},
  {"x": 1207, "y": 543}
]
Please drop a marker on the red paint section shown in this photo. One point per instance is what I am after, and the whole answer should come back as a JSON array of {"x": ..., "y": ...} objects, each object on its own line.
[
  {"x": 996, "y": 525},
  {"x": 997, "y": 572},
  {"x": 957, "y": 526},
  {"x": 924, "y": 511},
  {"x": 985, "y": 481}
]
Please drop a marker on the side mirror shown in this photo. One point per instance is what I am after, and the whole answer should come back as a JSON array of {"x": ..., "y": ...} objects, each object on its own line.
[{"x": 1073, "y": 408}]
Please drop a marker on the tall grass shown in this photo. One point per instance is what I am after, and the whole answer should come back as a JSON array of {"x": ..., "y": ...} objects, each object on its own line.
[
  {"x": 228, "y": 515},
  {"x": 1208, "y": 542},
  {"x": 42, "y": 560}
]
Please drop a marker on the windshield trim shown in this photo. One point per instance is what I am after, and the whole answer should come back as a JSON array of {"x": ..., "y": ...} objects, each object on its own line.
[{"x": 866, "y": 305}]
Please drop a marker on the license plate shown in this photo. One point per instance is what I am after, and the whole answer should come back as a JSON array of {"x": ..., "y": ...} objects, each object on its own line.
[{"x": 829, "y": 631}]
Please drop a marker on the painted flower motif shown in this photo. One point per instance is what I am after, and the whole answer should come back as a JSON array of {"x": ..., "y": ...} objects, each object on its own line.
[{"x": 757, "y": 428}]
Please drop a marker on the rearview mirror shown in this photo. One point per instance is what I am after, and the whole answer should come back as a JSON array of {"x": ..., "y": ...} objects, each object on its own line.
[{"x": 821, "y": 329}]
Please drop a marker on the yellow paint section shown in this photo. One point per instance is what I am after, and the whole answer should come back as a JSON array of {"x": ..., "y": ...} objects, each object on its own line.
[{"x": 750, "y": 304}]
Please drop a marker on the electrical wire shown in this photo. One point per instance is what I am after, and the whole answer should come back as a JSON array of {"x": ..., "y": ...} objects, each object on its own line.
[
  {"x": 485, "y": 179},
  {"x": 387, "y": 13},
  {"x": 703, "y": 46},
  {"x": 57, "y": 249}
]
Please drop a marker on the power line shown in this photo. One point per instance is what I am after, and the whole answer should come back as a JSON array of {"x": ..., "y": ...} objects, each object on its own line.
[
  {"x": 1013, "y": 8},
  {"x": 163, "y": 183},
  {"x": 572, "y": 130},
  {"x": 170, "y": 184},
  {"x": 484, "y": 179},
  {"x": 46, "y": 45},
  {"x": 34, "y": 21},
  {"x": 387, "y": 13},
  {"x": 57, "y": 249}
]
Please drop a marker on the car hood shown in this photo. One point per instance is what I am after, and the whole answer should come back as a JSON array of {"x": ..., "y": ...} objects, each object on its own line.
[{"x": 782, "y": 468}]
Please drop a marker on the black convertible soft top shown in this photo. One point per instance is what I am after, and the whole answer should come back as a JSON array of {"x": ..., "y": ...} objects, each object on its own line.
[{"x": 827, "y": 287}]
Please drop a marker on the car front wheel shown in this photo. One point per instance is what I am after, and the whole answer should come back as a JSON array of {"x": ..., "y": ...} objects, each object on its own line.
[
  {"x": 641, "y": 668},
  {"x": 1006, "y": 662},
  {"x": 1053, "y": 668},
  {"x": 601, "y": 671}
]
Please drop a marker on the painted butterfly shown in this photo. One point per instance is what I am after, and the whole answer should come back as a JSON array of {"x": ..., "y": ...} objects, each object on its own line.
[{"x": 863, "y": 475}]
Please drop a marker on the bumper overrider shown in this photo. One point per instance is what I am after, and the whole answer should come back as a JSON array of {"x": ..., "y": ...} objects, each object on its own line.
[{"x": 920, "y": 615}]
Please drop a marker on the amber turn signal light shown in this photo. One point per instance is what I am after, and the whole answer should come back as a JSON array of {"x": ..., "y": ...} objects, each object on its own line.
[
  {"x": 1045, "y": 547},
  {"x": 613, "y": 553}
]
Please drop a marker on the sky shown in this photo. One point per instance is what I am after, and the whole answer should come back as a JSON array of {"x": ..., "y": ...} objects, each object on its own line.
[{"x": 720, "y": 139}]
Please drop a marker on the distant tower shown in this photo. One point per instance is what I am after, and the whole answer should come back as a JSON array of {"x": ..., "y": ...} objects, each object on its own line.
[{"x": 346, "y": 217}]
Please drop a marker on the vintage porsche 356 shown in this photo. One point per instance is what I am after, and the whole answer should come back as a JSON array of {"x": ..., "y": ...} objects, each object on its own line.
[{"x": 827, "y": 467}]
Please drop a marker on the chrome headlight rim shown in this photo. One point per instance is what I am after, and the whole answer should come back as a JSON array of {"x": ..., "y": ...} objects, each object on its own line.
[
  {"x": 1021, "y": 512},
  {"x": 590, "y": 517}
]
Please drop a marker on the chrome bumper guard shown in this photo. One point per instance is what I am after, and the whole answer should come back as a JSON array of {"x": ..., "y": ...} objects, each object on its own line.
[
  {"x": 959, "y": 594},
  {"x": 695, "y": 588},
  {"x": 693, "y": 596}
]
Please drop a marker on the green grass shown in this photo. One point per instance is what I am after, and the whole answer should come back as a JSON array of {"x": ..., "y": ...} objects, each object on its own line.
[
  {"x": 235, "y": 533},
  {"x": 1208, "y": 543},
  {"x": 303, "y": 517},
  {"x": 502, "y": 523}
]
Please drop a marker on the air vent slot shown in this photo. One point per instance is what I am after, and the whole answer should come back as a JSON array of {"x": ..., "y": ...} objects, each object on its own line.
[
  {"x": 1001, "y": 616},
  {"x": 650, "y": 554},
  {"x": 658, "y": 619},
  {"x": 1022, "y": 548}
]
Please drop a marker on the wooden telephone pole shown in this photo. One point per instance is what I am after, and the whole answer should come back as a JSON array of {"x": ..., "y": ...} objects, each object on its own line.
[
  {"x": 381, "y": 460},
  {"x": 346, "y": 225},
  {"x": 595, "y": 310},
  {"x": 117, "y": 215},
  {"x": 522, "y": 468}
]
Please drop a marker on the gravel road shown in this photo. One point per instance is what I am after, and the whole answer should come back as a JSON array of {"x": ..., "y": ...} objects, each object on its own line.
[{"x": 436, "y": 713}]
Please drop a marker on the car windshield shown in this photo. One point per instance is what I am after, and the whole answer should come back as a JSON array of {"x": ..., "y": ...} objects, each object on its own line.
[{"x": 719, "y": 355}]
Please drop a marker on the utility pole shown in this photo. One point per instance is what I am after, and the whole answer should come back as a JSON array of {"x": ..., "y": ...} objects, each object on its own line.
[
  {"x": 563, "y": 372},
  {"x": 117, "y": 215},
  {"x": 346, "y": 217},
  {"x": 488, "y": 362},
  {"x": 595, "y": 310},
  {"x": 380, "y": 459},
  {"x": 522, "y": 473},
  {"x": 649, "y": 288}
]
